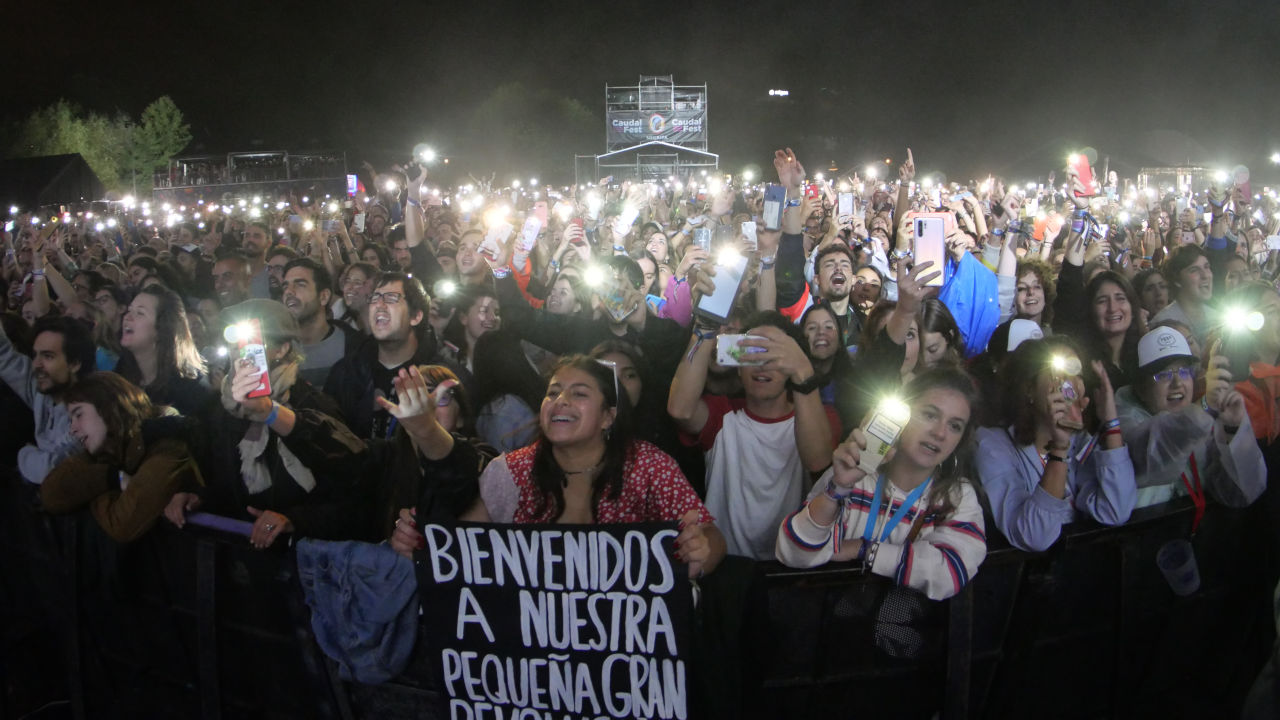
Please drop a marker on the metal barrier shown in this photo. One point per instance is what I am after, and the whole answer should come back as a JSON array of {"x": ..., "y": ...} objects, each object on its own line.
[{"x": 195, "y": 623}]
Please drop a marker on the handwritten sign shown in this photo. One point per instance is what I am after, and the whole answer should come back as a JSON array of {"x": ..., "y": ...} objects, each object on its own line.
[{"x": 557, "y": 621}]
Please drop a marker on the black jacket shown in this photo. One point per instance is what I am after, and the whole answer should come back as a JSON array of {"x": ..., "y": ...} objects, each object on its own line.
[
  {"x": 324, "y": 445},
  {"x": 350, "y": 381}
]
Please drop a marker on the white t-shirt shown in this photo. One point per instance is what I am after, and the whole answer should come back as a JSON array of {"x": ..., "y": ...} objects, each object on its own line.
[{"x": 754, "y": 475}]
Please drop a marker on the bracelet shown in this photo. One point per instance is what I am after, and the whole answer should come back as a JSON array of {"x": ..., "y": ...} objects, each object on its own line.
[
  {"x": 706, "y": 334},
  {"x": 862, "y": 552},
  {"x": 1112, "y": 424},
  {"x": 1230, "y": 429},
  {"x": 415, "y": 203},
  {"x": 997, "y": 232},
  {"x": 1050, "y": 457},
  {"x": 837, "y": 493},
  {"x": 1204, "y": 403},
  {"x": 501, "y": 272},
  {"x": 37, "y": 273},
  {"x": 767, "y": 263},
  {"x": 871, "y": 554},
  {"x": 275, "y": 412},
  {"x": 619, "y": 247}
]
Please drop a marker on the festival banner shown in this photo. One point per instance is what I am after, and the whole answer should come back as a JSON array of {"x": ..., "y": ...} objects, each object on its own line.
[
  {"x": 571, "y": 622},
  {"x": 674, "y": 126}
]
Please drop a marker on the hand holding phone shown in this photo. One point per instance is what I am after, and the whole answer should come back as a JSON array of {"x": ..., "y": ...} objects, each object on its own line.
[{"x": 731, "y": 352}]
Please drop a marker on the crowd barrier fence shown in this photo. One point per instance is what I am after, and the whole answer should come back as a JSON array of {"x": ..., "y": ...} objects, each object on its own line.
[{"x": 196, "y": 623}]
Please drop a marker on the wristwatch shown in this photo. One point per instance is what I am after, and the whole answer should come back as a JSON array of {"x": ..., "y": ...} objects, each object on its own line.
[{"x": 806, "y": 387}]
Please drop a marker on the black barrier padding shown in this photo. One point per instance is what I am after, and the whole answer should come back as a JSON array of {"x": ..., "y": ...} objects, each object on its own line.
[{"x": 1088, "y": 629}]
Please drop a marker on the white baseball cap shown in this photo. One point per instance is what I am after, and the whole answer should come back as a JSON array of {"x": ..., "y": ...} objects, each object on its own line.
[
  {"x": 1022, "y": 330},
  {"x": 1161, "y": 343}
]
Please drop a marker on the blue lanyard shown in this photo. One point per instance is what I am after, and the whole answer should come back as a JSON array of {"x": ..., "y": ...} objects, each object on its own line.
[{"x": 869, "y": 531}]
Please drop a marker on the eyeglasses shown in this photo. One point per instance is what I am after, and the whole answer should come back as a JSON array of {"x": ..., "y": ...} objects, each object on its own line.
[
  {"x": 275, "y": 269},
  {"x": 390, "y": 298},
  {"x": 1187, "y": 374}
]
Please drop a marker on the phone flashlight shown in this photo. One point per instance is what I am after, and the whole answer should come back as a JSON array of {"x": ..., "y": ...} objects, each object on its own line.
[
  {"x": 1065, "y": 364},
  {"x": 222, "y": 351},
  {"x": 446, "y": 288},
  {"x": 1238, "y": 319},
  {"x": 882, "y": 429},
  {"x": 594, "y": 276},
  {"x": 727, "y": 256},
  {"x": 235, "y": 332}
]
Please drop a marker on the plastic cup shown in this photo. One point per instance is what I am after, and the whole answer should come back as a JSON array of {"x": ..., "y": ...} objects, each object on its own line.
[{"x": 1177, "y": 560}]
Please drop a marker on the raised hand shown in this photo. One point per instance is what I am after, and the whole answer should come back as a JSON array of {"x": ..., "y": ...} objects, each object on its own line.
[
  {"x": 907, "y": 170},
  {"x": 790, "y": 171}
]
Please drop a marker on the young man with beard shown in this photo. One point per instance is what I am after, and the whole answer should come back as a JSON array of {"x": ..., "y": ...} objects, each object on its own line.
[
  {"x": 254, "y": 244},
  {"x": 64, "y": 353},
  {"x": 308, "y": 288},
  {"x": 400, "y": 338},
  {"x": 1190, "y": 279},
  {"x": 760, "y": 448}
]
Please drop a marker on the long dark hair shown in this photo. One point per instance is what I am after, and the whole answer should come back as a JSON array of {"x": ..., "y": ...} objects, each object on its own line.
[
  {"x": 944, "y": 497},
  {"x": 176, "y": 353},
  {"x": 465, "y": 299},
  {"x": 1018, "y": 379},
  {"x": 549, "y": 478},
  {"x": 1094, "y": 342}
]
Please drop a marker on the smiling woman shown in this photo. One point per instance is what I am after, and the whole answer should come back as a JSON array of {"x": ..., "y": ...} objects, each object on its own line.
[
  {"x": 917, "y": 521},
  {"x": 134, "y": 459},
  {"x": 588, "y": 468}
]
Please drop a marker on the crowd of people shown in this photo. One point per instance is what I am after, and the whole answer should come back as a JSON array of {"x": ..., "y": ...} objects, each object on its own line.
[{"x": 1073, "y": 351}]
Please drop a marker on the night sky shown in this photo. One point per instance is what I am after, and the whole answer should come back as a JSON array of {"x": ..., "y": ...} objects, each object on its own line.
[{"x": 971, "y": 87}]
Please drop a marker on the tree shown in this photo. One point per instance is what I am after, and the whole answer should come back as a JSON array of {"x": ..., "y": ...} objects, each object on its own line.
[
  {"x": 118, "y": 150},
  {"x": 157, "y": 138}
]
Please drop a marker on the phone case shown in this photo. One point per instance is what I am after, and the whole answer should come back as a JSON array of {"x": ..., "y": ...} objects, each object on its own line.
[
  {"x": 717, "y": 305},
  {"x": 702, "y": 238},
  {"x": 845, "y": 203},
  {"x": 930, "y": 245},
  {"x": 529, "y": 233},
  {"x": 251, "y": 347},
  {"x": 881, "y": 433},
  {"x": 730, "y": 352},
  {"x": 749, "y": 235},
  {"x": 775, "y": 196},
  {"x": 1080, "y": 164}
]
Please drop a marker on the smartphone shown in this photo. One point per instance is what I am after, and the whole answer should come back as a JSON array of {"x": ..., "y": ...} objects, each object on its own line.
[
  {"x": 1188, "y": 237},
  {"x": 749, "y": 234},
  {"x": 357, "y": 222},
  {"x": 775, "y": 197},
  {"x": 1181, "y": 203},
  {"x": 962, "y": 195},
  {"x": 718, "y": 304},
  {"x": 497, "y": 235},
  {"x": 614, "y": 300},
  {"x": 844, "y": 204},
  {"x": 655, "y": 303},
  {"x": 702, "y": 238},
  {"x": 529, "y": 233},
  {"x": 330, "y": 226},
  {"x": 250, "y": 346},
  {"x": 730, "y": 352},
  {"x": 1080, "y": 164},
  {"x": 930, "y": 244},
  {"x": 882, "y": 427},
  {"x": 353, "y": 185},
  {"x": 812, "y": 191}
]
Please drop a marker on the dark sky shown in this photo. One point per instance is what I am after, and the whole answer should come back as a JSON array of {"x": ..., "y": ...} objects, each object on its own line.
[{"x": 971, "y": 87}]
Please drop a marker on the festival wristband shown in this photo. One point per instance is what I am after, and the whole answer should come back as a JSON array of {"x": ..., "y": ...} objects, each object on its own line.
[
  {"x": 275, "y": 412},
  {"x": 836, "y": 492}
]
